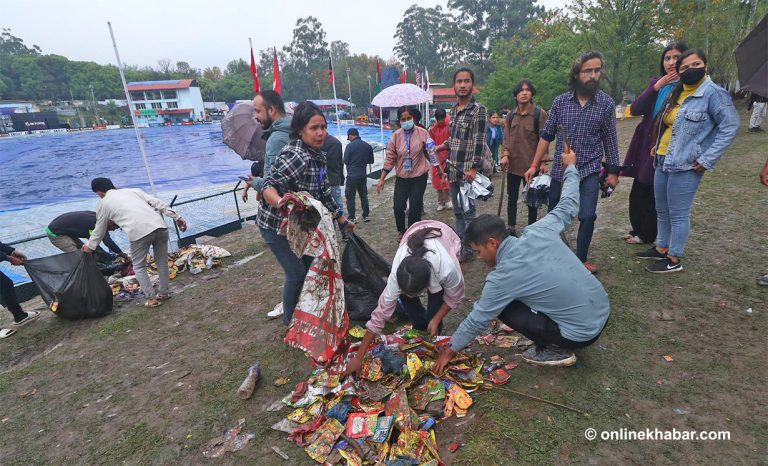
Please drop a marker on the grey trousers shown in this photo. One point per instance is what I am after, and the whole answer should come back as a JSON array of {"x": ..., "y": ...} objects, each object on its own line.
[
  {"x": 66, "y": 243},
  {"x": 158, "y": 239}
]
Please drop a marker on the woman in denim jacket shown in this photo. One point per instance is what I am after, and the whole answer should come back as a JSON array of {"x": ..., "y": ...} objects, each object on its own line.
[{"x": 696, "y": 125}]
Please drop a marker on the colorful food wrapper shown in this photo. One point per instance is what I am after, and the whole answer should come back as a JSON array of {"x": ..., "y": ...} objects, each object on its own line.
[
  {"x": 409, "y": 445},
  {"x": 448, "y": 408},
  {"x": 506, "y": 341},
  {"x": 460, "y": 412},
  {"x": 414, "y": 365},
  {"x": 324, "y": 439},
  {"x": 372, "y": 370},
  {"x": 352, "y": 458},
  {"x": 358, "y": 426},
  {"x": 374, "y": 407},
  {"x": 499, "y": 376},
  {"x": 383, "y": 429},
  {"x": 397, "y": 406},
  {"x": 357, "y": 331},
  {"x": 419, "y": 397},
  {"x": 459, "y": 396},
  {"x": 303, "y": 415}
]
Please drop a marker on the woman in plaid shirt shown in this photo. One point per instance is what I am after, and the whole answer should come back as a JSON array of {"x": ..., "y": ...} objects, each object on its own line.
[{"x": 300, "y": 166}]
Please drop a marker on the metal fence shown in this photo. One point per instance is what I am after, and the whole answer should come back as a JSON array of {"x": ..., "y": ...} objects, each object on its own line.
[{"x": 211, "y": 214}]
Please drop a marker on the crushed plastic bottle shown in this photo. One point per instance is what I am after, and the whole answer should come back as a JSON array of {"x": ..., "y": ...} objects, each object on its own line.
[{"x": 249, "y": 384}]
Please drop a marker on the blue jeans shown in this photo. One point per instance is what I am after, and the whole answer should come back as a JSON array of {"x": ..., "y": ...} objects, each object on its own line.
[
  {"x": 588, "y": 194},
  {"x": 674, "y": 197},
  {"x": 336, "y": 193},
  {"x": 295, "y": 269},
  {"x": 462, "y": 218}
]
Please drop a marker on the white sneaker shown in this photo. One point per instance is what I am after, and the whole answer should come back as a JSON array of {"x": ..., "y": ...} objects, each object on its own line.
[
  {"x": 276, "y": 312},
  {"x": 440, "y": 207},
  {"x": 449, "y": 205}
]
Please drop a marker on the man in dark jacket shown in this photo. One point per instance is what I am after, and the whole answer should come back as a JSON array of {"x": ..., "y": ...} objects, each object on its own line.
[
  {"x": 334, "y": 163},
  {"x": 8, "y": 293},
  {"x": 66, "y": 230},
  {"x": 357, "y": 155}
]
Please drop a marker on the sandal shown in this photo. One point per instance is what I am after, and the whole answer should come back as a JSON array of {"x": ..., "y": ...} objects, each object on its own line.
[
  {"x": 633, "y": 240},
  {"x": 6, "y": 332},
  {"x": 152, "y": 302},
  {"x": 164, "y": 297}
]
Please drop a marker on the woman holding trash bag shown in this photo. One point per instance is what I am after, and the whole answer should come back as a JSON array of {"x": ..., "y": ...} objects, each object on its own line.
[
  {"x": 407, "y": 155},
  {"x": 300, "y": 166},
  {"x": 693, "y": 129},
  {"x": 426, "y": 260},
  {"x": 637, "y": 164}
]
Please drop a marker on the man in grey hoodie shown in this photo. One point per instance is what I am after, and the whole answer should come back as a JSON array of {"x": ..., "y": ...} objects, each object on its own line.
[{"x": 270, "y": 113}]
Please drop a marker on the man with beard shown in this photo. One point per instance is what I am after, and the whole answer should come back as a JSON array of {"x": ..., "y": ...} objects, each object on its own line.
[
  {"x": 465, "y": 149},
  {"x": 585, "y": 119},
  {"x": 270, "y": 113}
]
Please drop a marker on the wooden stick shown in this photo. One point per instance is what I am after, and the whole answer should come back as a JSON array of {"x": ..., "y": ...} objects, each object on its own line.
[{"x": 541, "y": 399}]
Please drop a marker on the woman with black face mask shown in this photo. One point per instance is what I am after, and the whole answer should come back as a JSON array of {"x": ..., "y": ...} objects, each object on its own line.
[{"x": 695, "y": 126}]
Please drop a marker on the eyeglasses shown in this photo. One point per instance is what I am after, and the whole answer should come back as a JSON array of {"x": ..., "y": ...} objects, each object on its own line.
[{"x": 591, "y": 71}]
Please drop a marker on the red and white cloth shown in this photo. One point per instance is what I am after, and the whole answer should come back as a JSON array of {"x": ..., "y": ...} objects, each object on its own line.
[{"x": 320, "y": 322}]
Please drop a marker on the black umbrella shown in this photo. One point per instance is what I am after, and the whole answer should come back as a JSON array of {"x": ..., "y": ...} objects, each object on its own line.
[
  {"x": 242, "y": 133},
  {"x": 752, "y": 59}
]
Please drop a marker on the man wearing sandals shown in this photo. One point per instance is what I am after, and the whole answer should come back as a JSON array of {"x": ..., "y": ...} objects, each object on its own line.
[
  {"x": 140, "y": 216},
  {"x": 8, "y": 253}
]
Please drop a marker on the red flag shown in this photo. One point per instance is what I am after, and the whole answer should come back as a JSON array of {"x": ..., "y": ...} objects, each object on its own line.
[
  {"x": 404, "y": 77},
  {"x": 276, "y": 74},
  {"x": 330, "y": 72},
  {"x": 254, "y": 75}
]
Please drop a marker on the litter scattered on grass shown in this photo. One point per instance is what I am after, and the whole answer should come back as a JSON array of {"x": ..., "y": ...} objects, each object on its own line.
[
  {"x": 230, "y": 441},
  {"x": 389, "y": 413}
]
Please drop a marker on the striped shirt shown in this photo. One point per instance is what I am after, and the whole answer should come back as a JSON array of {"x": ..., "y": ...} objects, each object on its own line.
[
  {"x": 467, "y": 138},
  {"x": 591, "y": 132},
  {"x": 298, "y": 167}
]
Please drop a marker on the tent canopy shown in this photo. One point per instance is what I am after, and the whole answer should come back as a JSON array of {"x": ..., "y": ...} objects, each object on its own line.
[{"x": 326, "y": 104}]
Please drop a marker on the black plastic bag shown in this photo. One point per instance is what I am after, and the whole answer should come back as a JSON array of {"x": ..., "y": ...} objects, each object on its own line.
[
  {"x": 365, "y": 275},
  {"x": 74, "y": 282}
]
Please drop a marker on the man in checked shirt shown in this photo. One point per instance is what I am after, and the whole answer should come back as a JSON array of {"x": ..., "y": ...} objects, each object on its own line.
[
  {"x": 465, "y": 149},
  {"x": 585, "y": 118}
]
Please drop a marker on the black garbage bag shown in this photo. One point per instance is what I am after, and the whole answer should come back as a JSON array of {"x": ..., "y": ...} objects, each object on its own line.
[
  {"x": 72, "y": 281},
  {"x": 365, "y": 275}
]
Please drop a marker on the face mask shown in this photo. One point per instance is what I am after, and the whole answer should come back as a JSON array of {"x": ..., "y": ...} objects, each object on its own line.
[
  {"x": 692, "y": 75},
  {"x": 407, "y": 125}
]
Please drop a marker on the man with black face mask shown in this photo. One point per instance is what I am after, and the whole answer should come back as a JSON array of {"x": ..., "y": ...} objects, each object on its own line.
[{"x": 585, "y": 119}]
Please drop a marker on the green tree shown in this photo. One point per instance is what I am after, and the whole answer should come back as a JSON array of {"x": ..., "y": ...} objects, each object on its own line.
[
  {"x": 425, "y": 37},
  {"x": 627, "y": 33},
  {"x": 482, "y": 23},
  {"x": 305, "y": 67},
  {"x": 12, "y": 45}
]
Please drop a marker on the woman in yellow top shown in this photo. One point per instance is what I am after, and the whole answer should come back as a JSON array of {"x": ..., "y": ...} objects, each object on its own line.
[{"x": 696, "y": 125}]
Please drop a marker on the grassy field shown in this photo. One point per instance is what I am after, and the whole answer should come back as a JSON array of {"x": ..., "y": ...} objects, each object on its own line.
[{"x": 154, "y": 386}]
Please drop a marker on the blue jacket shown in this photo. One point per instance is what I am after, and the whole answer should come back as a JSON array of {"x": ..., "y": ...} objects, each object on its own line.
[
  {"x": 539, "y": 270},
  {"x": 704, "y": 127}
]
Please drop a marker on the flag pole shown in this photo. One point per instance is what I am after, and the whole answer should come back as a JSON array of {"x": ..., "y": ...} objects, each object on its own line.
[
  {"x": 133, "y": 114},
  {"x": 381, "y": 125},
  {"x": 335, "y": 100}
]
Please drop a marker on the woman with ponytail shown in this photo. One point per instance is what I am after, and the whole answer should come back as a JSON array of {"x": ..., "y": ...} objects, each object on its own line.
[{"x": 427, "y": 260}]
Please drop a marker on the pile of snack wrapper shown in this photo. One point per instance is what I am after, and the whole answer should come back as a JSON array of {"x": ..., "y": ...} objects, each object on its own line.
[
  {"x": 387, "y": 415},
  {"x": 194, "y": 258}
]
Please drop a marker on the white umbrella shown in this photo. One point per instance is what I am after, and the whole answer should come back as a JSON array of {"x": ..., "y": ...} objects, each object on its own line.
[{"x": 399, "y": 95}]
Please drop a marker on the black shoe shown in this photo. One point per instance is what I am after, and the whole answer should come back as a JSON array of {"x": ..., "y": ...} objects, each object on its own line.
[
  {"x": 466, "y": 256},
  {"x": 352, "y": 219},
  {"x": 651, "y": 253},
  {"x": 513, "y": 232},
  {"x": 549, "y": 356},
  {"x": 366, "y": 219},
  {"x": 665, "y": 266}
]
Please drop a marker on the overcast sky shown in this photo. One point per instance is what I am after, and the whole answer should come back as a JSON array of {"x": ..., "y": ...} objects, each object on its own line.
[{"x": 203, "y": 33}]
